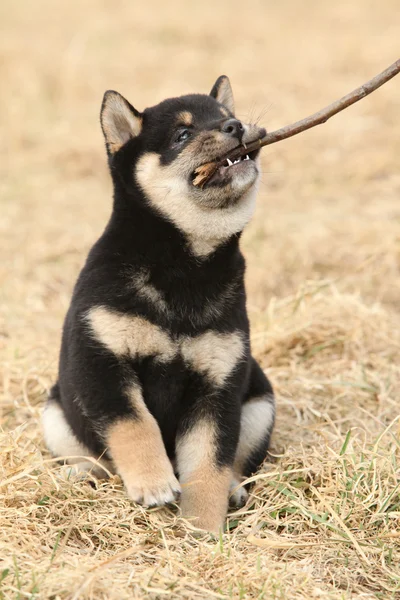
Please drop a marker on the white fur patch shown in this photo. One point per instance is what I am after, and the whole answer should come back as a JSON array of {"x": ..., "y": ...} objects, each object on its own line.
[
  {"x": 61, "y": 442},
  {"x": 127, "y": 335},
  {"x": 215, "y": 355},
  {"x": 256, "y": 421},
  {"x": 58, "y": 435},
  {"x": 170, "y": 194}
]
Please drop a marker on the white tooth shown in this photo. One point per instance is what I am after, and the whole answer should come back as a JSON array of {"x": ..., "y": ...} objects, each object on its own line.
[
  {"x": 247, "y": 157},
  {"x": 236, "y": 161},
  {"x": 230, "y": 163}
]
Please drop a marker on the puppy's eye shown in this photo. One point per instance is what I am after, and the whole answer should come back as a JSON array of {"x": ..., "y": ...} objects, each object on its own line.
[{"x": 182, "y": 135}]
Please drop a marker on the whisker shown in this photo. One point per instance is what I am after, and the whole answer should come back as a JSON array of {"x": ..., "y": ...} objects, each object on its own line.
[{"x": 263, "y": 112}]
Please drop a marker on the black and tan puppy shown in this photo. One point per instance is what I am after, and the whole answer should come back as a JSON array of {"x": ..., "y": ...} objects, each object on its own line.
[{"x": 156, "y": 374}]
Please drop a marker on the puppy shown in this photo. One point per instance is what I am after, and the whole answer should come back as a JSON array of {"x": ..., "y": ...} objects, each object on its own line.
[{"x": 156, "y": 375}]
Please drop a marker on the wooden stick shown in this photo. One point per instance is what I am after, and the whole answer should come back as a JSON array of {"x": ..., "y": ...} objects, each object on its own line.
[{"x": 205, "y": 172}]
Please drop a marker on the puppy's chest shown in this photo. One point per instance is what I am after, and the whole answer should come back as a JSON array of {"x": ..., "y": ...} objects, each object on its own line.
[
  {"x": 211, "y": 353},
  {"x": 191, "y": 300}
]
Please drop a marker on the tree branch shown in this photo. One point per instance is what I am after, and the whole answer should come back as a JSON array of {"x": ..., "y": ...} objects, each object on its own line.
[{"x": 205, "y": 172}]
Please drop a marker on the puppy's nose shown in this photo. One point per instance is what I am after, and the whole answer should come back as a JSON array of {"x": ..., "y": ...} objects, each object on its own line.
[{"x": 234, "y": 128}]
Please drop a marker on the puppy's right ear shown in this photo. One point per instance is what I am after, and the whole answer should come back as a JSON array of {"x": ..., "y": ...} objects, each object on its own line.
[
  {"x": 222, "y": 92},
  {"x": 119, "y": 121}
]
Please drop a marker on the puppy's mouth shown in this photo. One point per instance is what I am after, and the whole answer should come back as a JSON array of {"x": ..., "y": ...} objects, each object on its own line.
[{"x": 220, "y": 170}]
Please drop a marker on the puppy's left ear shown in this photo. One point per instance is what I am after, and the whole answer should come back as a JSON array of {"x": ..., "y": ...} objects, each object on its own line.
[
  {"x": 222, "y": 92},
  {"x": 119, "y": 121}
]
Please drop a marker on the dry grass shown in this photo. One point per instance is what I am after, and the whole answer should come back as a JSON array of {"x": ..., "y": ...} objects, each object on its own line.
[{"x": 323, "y": 279}]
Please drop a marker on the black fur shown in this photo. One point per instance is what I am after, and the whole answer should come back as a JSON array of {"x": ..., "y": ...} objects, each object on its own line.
[
  {"x": 89, "y": 371},
  {"x": 201, "y": 293}
]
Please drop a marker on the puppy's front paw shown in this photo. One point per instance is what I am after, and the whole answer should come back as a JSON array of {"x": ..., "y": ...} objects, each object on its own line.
[{"x": 154, "y": 488}]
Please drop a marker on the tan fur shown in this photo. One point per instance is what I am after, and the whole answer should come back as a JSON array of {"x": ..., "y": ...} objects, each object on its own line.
[
  {"x": 203, "y": 248},
  {"x": 185, "y": 118},
  {"x": 149, "y": 292},
  {"x": 169, "y": 191},
  {"x": 213, "y": 354},
  {"x": 224, "y": 112},
  {"x": 118, "y": 122},
  {"x": 127, "y": 335},
  {"x": 256, "y": 419},
  {"x": 205, "y": 487},
  {"x": 138, "y": 451}
]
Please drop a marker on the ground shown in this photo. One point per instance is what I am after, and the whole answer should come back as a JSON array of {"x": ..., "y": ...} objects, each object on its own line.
[{"x": 323, "y": 278}]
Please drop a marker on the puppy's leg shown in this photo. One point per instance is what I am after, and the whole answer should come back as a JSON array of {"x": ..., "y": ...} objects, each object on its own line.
[
  {"x": 138, "y": 452},
  {"x": 256, "y": 424},
  {"x": 62, "y": 442},
  {"x": 205, "y": 481},
  {"x": 133, "y": 441}
]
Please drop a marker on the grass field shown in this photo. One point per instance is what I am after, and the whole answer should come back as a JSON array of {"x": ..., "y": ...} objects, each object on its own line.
[{"x": 323, "y": 277}]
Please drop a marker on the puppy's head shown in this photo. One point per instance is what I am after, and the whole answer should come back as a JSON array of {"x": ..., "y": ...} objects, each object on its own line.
[{"x": 161, "y": 149}]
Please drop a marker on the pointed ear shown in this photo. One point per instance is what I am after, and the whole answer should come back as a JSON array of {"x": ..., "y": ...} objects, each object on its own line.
[
  {"x": 222, "y": 92},
  {"x": 119, "y": 121}
]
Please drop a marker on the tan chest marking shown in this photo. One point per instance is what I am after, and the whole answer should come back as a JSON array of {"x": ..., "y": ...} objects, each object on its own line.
[
  {"x": 127, "y": 335},
  {"x": 212, "y": 354}
]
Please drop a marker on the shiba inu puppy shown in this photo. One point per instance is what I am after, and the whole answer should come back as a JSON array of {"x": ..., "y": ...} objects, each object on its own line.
[{"x": 156, "y": 375}]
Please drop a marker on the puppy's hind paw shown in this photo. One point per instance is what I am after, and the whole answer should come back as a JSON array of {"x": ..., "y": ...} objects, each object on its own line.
[{"x": 237, "y": 495}]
